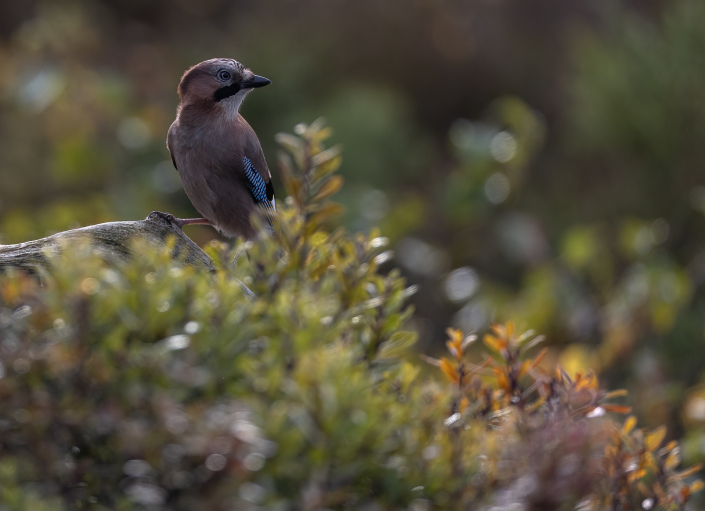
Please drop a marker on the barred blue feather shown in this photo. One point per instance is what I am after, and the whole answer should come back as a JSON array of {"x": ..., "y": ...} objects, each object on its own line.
[{"x": 262, "y": 192}]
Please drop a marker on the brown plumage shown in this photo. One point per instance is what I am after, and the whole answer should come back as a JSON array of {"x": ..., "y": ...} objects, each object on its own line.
[{"x": 216, "y": 152}]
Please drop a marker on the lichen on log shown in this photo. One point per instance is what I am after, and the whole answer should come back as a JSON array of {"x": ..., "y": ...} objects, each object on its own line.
[{"x": 112, "y": 241}]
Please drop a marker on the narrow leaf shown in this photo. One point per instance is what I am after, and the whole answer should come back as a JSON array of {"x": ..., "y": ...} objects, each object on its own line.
[
  {"x": 629, "y": 425},
  {"x": 617, "y": 408},
  {"x": 493, "y": 343},
  {"x": 616, "y": 393},
  {"x": 430, "y": 360},
  {"x": 653, "y": 440},
  {"x": 502, "y": 380},
  {"x": 289, "y": 141},
  {"x": 397, "y": 344},
  {"x": 690, "y": 471},
  {"x": 533, "y": 342},
  {"x": 672, "y": 461},
  {"x": 450, "y": 371},
  {"x": 539, "y": 358},
  {"x": 325, "y": 156},
  {"x": 697, "y": 486},
  {"x": 524, "y": 368},
  {"x": 330, "y": 187}
]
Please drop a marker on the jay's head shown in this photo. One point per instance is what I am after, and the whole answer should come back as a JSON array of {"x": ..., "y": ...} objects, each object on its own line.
[{"x": 224, "y": 82}]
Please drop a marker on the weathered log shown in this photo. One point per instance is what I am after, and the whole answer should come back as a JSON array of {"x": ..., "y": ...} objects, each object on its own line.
[{"x": 112, "y": 241}]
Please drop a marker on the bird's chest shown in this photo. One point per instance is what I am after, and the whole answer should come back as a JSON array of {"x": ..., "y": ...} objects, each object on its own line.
[
  {"x": 213, "y": 150},
  {"x": 209, "y": 161}
]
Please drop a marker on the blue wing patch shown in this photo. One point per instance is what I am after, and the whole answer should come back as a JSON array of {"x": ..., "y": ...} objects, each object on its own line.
[{"x": 262, "y": 192}]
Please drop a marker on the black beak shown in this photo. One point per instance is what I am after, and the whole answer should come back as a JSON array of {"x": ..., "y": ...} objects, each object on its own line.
[{"x": 257, "y": 81}]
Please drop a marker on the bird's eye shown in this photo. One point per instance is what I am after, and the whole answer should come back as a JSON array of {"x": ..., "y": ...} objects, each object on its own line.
[{"x": 223, "y": 75}]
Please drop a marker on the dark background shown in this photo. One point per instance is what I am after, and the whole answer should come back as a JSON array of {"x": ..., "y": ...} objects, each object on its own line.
[{"x": 541, "y": 161}]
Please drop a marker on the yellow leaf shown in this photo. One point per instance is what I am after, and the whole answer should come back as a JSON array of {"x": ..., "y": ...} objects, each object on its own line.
[
  {"x": 539, "y": 358},
  {"x": 502, "y": 380},
  {"x": 493, "y": 343},
  {"x": 672, "y": 460},
  {"x": 629, "y": 425},
  {"x": 536, "y": 404},
  {"x": 454, "y": 334},
  {"x": 697, "y": 486},
  {"x": 314, "y": 130},
  {"x": 653, "y": 440},
  {"x": 333, "y": 185},
  {"x": 581, "y": 383},
  {"x": 616, "y": 393},
  {"x": 670, "y": 446},
  {"x": 636, "y": 475},
  {"x": 450, "y": 371},
  {"x": 499, "y": 330},
  {"x": 455, "y": 344},
  {"x": 524, "y": 368},
  {"x": 510, "y": 327},
  {"x": 689, "y": 472},
  {"x": 325, "y": 156}
]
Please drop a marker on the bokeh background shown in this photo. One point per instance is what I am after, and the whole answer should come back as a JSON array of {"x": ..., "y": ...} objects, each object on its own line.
[{"x": 534, "y": 160}]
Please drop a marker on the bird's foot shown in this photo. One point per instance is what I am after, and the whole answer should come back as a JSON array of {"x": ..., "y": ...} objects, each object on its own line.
[
  {"x": 167, "y": 217},
  {"x": 179, "y": 222}
]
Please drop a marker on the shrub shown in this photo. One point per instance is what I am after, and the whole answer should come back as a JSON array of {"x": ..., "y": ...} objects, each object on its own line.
[{"x": 152, "y": 386}]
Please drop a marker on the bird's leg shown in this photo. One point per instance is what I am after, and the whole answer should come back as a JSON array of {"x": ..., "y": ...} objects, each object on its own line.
[
  {"x": 191, "y": 221},
  {"x": 180, "y": 222}
]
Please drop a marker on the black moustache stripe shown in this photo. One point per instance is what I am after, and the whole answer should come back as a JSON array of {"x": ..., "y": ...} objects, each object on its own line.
[{"x": 226, "y": 92}]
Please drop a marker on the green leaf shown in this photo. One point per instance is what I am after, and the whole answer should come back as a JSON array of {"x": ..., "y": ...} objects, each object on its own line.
[
  {"x": 290, "y": 142},
  {"x": 325, "y": 156},
  {"x": 397, "y": 344}
]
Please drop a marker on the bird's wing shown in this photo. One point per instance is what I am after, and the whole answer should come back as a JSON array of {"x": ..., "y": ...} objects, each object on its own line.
[
  {"x": 257, "y": 175},
  {"x": 169, "y": 145},
  {"x": 262, "y": 192}
]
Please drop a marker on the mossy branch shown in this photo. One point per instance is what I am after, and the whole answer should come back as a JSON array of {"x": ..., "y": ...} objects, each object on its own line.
[{"x": 112, "y": 241}]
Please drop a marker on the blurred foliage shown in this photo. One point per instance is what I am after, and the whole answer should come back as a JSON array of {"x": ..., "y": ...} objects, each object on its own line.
[
  {"x": 152, "y": 386},
  {"x": 538, "y": 160}
]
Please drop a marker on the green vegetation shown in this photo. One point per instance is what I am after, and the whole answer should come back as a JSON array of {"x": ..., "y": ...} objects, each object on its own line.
[{"x": 151, "y": 386}]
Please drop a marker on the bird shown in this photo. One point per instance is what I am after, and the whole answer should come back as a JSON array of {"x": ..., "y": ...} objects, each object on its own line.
[{"x": 215, "y": 151}]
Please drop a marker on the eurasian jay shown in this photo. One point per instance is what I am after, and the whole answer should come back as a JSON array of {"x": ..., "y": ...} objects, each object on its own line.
[{"x": 216, "y": 152}]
